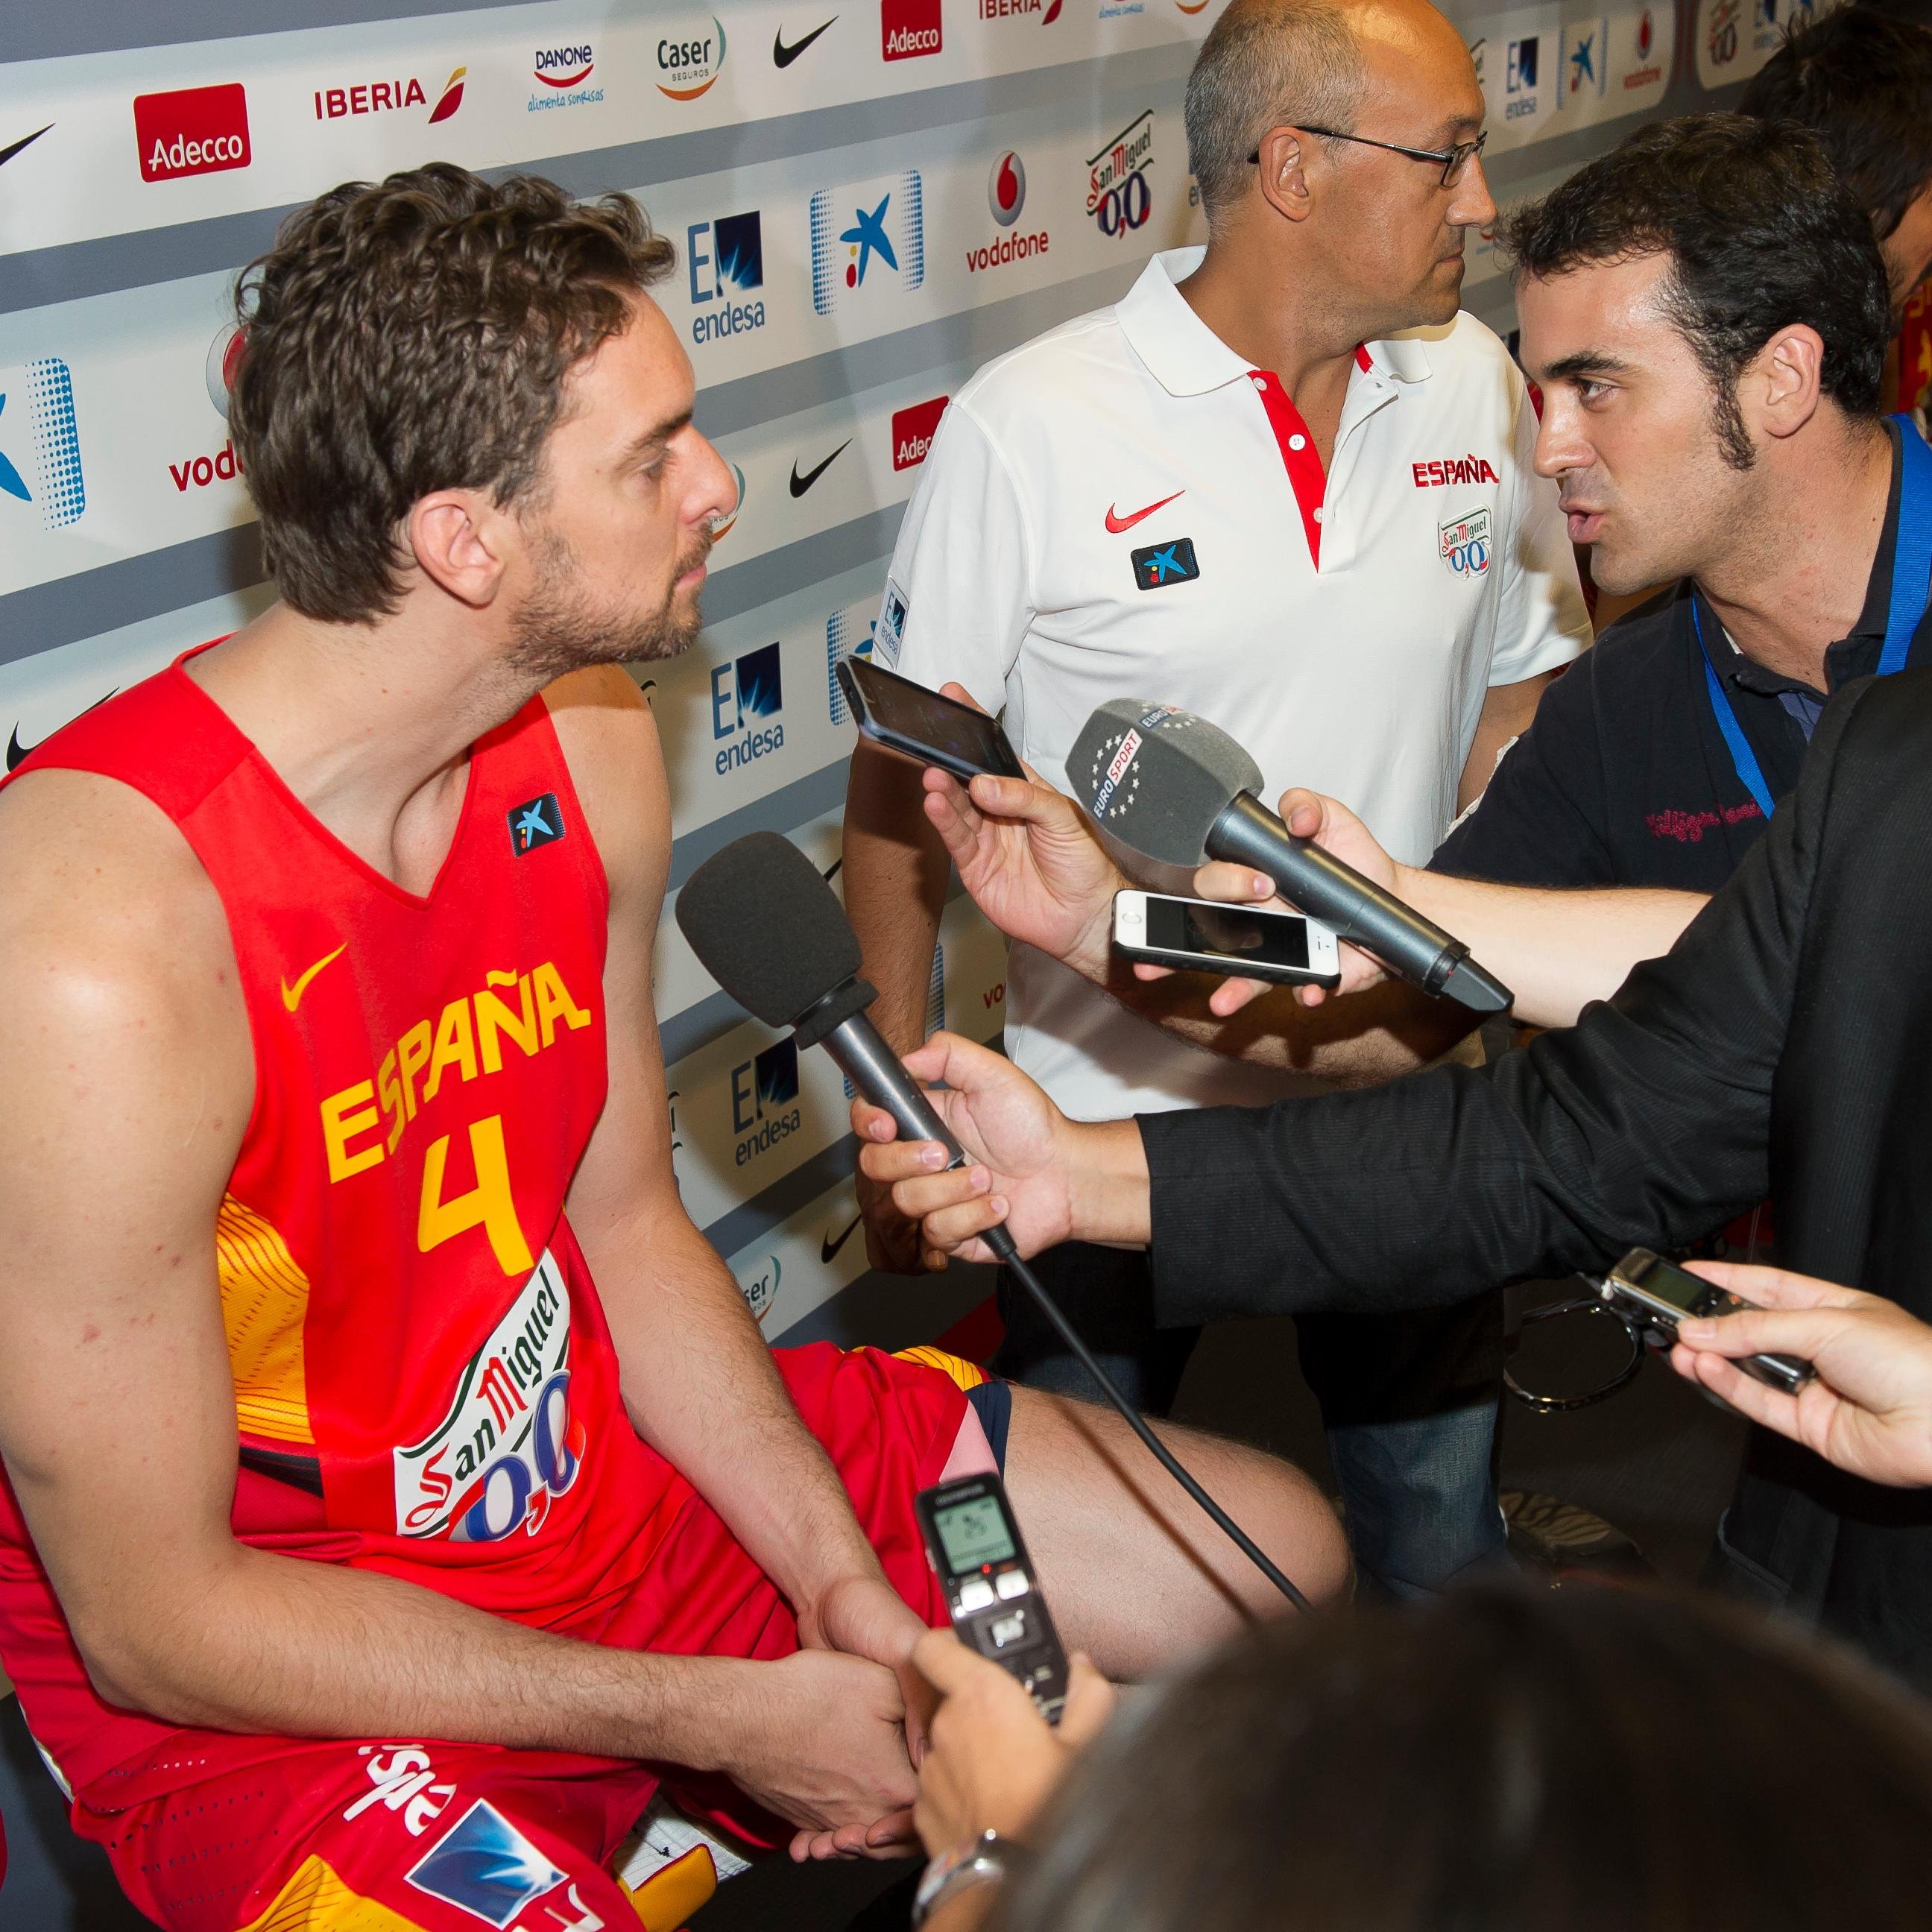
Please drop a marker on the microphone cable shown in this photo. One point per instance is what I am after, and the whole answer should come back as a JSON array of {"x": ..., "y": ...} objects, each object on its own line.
[{"x": 1002, "y": 1244}]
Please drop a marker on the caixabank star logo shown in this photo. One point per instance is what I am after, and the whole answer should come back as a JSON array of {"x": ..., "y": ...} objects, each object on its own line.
[
  {"x": 40, "y": 443},
  {"x": 868, "y": 242}
]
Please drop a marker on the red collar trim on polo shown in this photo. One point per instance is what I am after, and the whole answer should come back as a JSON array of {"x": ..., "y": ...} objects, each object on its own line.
[{"x": 1299, "y": 456}]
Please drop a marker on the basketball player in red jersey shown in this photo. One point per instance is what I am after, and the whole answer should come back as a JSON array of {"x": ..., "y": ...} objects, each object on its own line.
[{"x": 398, "y": 1486}]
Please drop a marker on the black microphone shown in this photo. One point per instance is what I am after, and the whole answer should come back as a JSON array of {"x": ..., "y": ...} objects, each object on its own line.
[
  {"x": 769, "y": 930},
  {"x": 1164, "y": 785}
]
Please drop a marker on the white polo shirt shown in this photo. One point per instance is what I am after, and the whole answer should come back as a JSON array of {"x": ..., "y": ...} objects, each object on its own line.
[{"x": 1123, "y": 508}]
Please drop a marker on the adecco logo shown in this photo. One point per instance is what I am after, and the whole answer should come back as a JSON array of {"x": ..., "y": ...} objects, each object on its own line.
[{"x": 194, "y": 130}]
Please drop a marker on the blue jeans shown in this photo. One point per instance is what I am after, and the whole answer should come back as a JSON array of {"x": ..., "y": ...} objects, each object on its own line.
[{"x": 1409, "y": 1402}]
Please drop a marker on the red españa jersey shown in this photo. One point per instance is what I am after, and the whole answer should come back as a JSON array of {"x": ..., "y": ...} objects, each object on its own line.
[{"x": 425, "y": 1382}]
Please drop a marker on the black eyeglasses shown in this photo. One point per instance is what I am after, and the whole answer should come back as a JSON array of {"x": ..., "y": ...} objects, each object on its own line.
[{"x": 1453, "y": 159}]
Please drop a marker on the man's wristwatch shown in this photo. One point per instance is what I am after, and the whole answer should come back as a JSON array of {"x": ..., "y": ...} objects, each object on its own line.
[{"x": 985, "y": 1860}]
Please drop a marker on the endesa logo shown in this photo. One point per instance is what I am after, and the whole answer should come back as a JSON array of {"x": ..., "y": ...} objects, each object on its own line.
[
  {"x": 690, "y": 57},
  {"x": 1006, "y": 197},
  {"x": 908, "y": 28},
  {"x": 194, "y": 130},
  {"x": 913, "y": 432},
  {"x": 563, "y": 73},
  {"x": 1118, "y": 195},
  {"x": 385, "y": 97},
  {"x": 743, "y": 693},
  {"x": 725, "y": 258},
  {"x": 764, "y": 1101},
  {"x": 1453, "y": 469},
  {"x": 508, "y": 1445}
]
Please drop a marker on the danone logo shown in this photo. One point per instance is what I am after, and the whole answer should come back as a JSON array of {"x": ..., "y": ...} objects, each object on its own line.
[
  {"x": 764, "y": 1101},
  {"x": 565, "y": 67},
  {"x": 690, "y": 57},
  {"x": 743, "y": 692},
  {"x": 508, "y": 1445},
  {"x": 913, "y": 432},
  {"x": 1465, "y": 543},
  {"x": 194, "y": 130},
  {"x": 909, "y": 28}
]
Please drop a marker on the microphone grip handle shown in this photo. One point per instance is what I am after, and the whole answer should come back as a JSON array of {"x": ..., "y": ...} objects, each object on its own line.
[
  {"x": 873, "y": 1069},
  {"x": 1359, "y": 909}
]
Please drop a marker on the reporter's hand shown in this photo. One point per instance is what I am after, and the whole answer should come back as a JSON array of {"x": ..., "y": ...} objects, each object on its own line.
[
  {"x": 1013, "y": 1135},
  {"x": 1030, "y": 860},
  {"x": 1868, "y": 1411},
  {"x": 1308, "y": 814},
  {"x": 892, "y": 1241},
  {"x": 819, "y": 1741},
  {"x": 995, "y": 1761}
]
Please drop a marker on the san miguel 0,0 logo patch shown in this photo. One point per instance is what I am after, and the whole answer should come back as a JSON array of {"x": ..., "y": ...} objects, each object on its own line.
[{"x": 1465, "y": 543}]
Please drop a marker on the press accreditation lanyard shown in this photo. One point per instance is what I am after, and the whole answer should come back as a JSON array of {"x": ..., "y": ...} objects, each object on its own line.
[{"x": 1911, "y": 591}]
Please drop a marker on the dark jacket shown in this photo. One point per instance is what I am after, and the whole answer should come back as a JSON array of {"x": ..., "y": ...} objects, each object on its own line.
[{"x": 1784, "y": 1046}]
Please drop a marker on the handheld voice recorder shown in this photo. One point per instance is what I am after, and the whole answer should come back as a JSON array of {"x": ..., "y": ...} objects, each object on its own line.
[
  {"x": 992, "y": 1595},
  {"x": 1653, "y": 1296},
  {"x": 1206, "y": 936}
]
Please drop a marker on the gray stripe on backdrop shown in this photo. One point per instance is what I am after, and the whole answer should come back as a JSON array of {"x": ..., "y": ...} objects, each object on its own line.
[
  {"x": 44, "y": 616},
  {"x": 112, "y": 26},
  {"x": 102, "y": 264},
  {"x": 738, "y": 1227},
  {"x": 893, "y": 1311},
  {"x": 798, "y": 803}
]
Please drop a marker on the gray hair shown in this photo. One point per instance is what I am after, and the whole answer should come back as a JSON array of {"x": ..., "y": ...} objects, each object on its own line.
[{"x": 1266, "y": 64}]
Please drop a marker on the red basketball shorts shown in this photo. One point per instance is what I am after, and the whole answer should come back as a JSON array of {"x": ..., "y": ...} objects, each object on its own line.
[{"x": 405, "y": 1834}]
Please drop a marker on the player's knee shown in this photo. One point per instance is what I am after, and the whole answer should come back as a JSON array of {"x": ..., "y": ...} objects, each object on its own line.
[{"x": 1297, "y": 1529}]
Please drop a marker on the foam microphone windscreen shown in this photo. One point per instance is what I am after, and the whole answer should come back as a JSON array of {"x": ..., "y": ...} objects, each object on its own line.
[
  {"x": 768, "y": 928},
  {"x": 1154, "y": 779}
]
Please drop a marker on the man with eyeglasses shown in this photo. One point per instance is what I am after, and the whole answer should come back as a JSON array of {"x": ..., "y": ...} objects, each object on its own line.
[{"x": 1285, "y": 484}]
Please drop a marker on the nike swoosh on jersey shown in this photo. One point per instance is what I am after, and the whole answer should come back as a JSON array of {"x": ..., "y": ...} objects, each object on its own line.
[
  {"x": 799, "y": 485},
  {"x": 16, "y": 750},
  {"x": 1116, "y": 524},
  {"x": 826, "y": 1250},
  {"x": 783, "y": 55},
  {"x": 292, "y": 995}
]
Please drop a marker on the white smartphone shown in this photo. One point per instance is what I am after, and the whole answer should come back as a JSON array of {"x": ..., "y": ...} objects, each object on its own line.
[{"x": 1205, "y": 936}]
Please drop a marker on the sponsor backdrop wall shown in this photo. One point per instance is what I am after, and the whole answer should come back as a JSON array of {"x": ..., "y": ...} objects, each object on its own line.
[{"x": 869, "y": 199}]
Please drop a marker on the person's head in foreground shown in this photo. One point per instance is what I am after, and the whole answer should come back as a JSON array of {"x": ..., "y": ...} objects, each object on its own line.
[
  {"x": 1592, "y": 1760},
  {"x": 1708, "y": 315},
  {"x": 1862, "y": 83},
  {"x": 457, "y": 404}
]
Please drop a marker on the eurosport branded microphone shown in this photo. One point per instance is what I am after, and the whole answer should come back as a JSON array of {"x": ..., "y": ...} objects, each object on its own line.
[
  {"x": 1162, "y": 785},
  {"x": 772, "y": 933}
]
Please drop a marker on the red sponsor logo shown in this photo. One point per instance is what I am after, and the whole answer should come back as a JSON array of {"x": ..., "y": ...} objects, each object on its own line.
[
  {"x": 371, "y": 97},
  {"x": 199, "y": 472},
  {"x": 913, "y": 432},
  {"x": 1453, "y": 469},
  {"x": 1049, "y": 10},
  {"x": 1116, "y": 522},
  {"x": 908, "y": 28},
  {"x": 194, "y": 130}
]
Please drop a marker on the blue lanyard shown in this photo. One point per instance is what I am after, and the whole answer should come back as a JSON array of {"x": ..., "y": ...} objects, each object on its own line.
[{"x": 1911, "y": 569}]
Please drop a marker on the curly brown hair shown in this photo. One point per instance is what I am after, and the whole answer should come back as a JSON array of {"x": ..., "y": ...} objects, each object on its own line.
[{"x": 414, "y": 336}]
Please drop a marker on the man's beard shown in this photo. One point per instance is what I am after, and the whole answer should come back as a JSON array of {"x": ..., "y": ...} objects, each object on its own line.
[{"x": 560, "y": 627}]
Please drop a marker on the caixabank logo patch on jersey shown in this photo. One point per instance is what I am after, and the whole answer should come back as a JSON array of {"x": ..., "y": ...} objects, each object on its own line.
[
  {"x": 508, "y": 1445},
  {"x": 1464, "y": 543}
]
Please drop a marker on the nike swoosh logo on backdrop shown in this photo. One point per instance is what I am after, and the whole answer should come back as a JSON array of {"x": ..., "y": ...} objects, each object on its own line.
[
  {"x": 783, "y": 55},
  {"x": 826, "y": 1250},
  {"x": 799, "y": 485},
  {"x": 1118, "y": 523},
  {"x": 16, "y": 751},
  {"x": 28, "y": 140},
  {"x": 292, "y": 995}
]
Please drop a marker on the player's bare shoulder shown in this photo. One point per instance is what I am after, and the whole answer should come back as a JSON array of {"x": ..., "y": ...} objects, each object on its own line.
[{"x": 610, "y": 740}]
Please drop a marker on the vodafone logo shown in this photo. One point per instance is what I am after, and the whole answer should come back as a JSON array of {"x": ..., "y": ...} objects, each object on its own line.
[
  {"x": 913, "y": 430},
  {"x": 193, "y": 130},
  {"x": 908, "y": 28},
  {"x": 1006, "y": 196},
  {"x": 224, "y": 358}
]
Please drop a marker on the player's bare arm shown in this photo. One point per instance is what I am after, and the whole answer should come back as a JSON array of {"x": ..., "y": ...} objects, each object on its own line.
[
  {"x": 698, "y": 1380},
  {"x": 125, "y": 1052}
]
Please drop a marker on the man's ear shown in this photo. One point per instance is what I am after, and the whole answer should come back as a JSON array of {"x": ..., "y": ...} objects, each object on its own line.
[
  {"x": 1780, "y": 387},
  {"x": 1283, "y": 170},
  {"x": 457, "y": 538}
]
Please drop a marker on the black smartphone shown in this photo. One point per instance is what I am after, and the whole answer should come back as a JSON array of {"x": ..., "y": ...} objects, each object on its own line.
[
  {"x": 1205, "y": 936},
  {"x": 991, "y": 1594},
  {"x": 904, "y": 716},
  {"x": 1654, "y": 1295}
]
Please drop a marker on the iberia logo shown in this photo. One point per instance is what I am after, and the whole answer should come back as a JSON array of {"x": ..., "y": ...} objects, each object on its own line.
[
  {"x": 450, "y": 98},
  {"x": 690, "y": 59}
]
